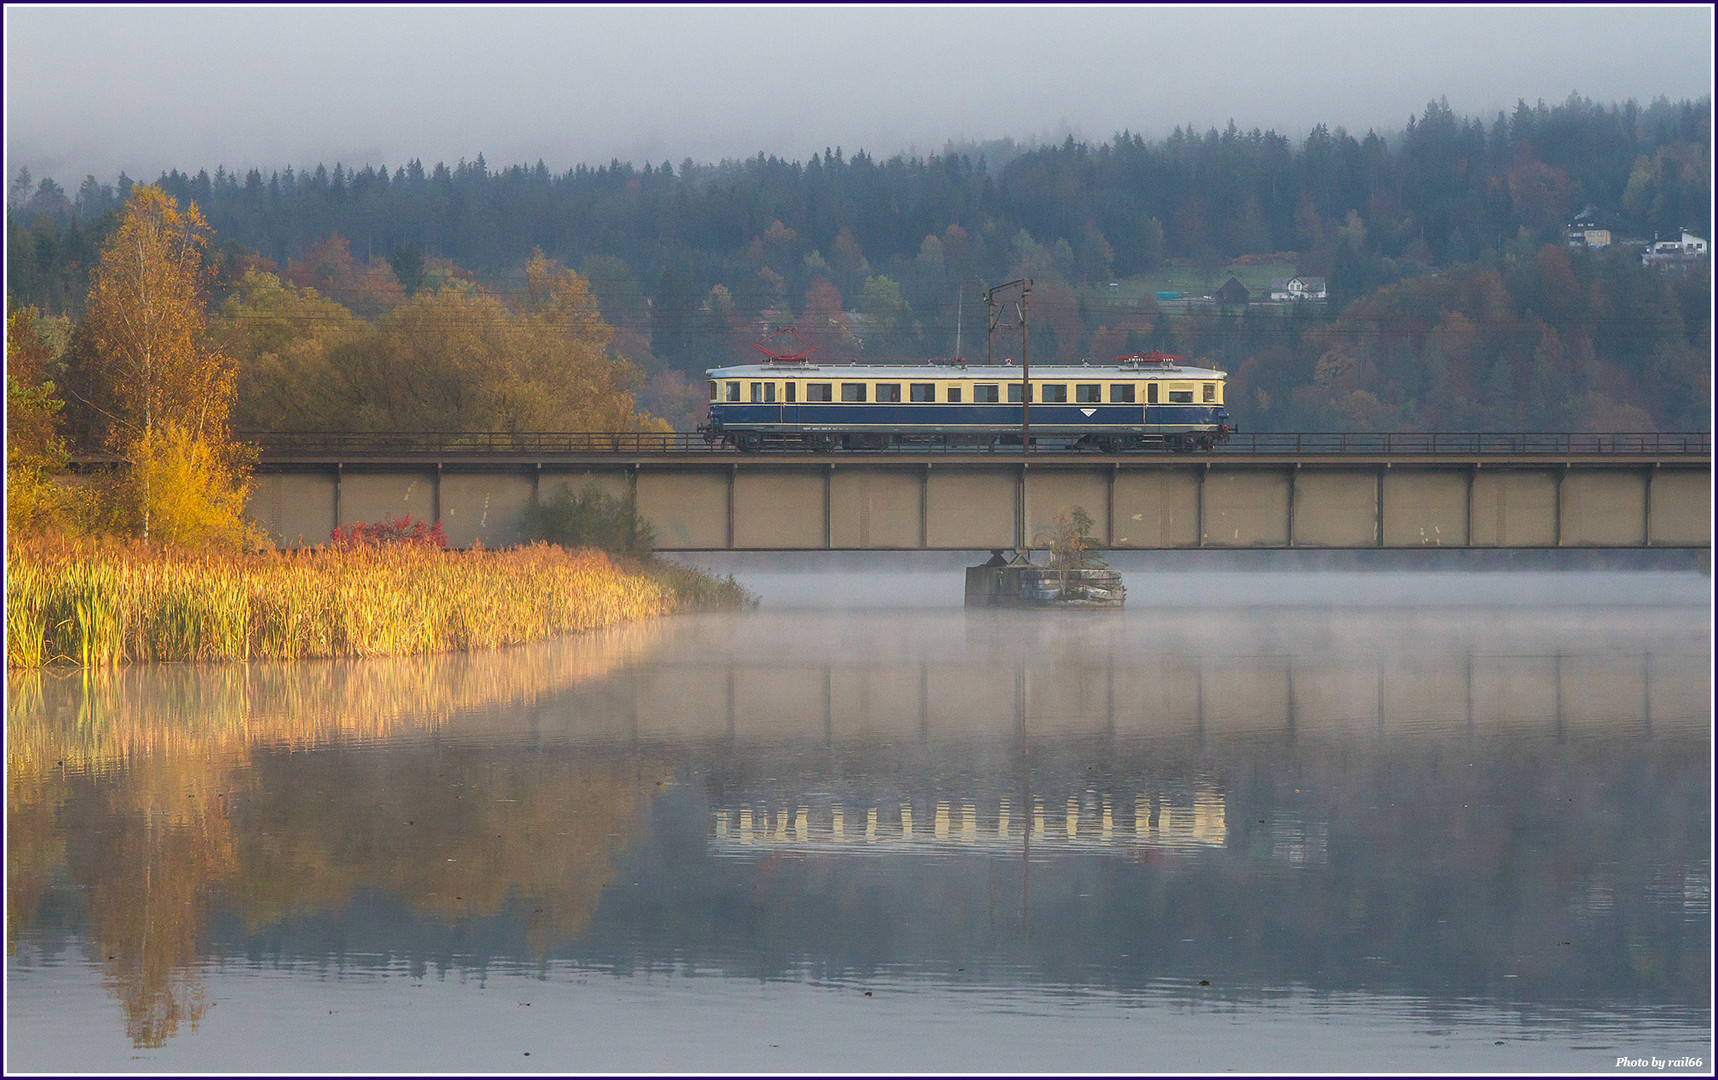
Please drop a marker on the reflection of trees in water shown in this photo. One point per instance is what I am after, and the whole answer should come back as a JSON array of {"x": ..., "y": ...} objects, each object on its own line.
[
  {"x": 35, "y": 847},
  {"x": 77, "y": 719},
  {"x": 455, "y": 832},
  {"x": 147, "y": 848},
  {"x": 157, "y": 791}
]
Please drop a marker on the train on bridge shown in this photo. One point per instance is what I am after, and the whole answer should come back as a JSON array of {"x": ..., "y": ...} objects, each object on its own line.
[{"x": 1140, "y": 402}]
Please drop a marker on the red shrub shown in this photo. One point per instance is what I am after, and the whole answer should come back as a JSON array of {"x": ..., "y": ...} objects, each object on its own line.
[{"x": 405, "y": 530}]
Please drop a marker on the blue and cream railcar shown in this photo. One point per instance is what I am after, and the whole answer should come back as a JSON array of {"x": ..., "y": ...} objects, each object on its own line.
[{"x": 1131, "y": 403}]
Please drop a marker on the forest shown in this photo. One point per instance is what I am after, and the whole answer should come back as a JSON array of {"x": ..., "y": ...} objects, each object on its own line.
[{"x": 1455, "y": 301}]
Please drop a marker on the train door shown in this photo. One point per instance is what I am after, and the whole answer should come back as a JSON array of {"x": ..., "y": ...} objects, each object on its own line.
[{"x": 765, "y": 394}]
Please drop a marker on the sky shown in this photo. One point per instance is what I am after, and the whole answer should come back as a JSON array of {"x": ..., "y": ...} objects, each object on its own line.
[{"x": 97, "y": 91}]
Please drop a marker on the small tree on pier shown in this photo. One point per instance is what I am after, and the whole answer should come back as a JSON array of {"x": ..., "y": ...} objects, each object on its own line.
[{"x": 1071, "y": 541}]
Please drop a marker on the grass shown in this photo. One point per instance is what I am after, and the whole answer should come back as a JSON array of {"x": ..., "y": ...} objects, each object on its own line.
[{"x": 101, "y": 604}]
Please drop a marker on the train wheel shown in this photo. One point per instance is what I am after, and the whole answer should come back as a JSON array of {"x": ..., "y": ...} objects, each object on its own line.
[
  {"x": 823, "y": 444},
  {"x": 750, "y": 441}
]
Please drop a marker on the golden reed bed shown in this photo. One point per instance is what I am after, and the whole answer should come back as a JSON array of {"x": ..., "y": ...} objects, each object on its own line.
[{"x": 104, "y": 604}]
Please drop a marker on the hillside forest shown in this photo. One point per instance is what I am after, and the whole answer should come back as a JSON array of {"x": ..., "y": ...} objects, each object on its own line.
[{"x": 470, "y": 297}]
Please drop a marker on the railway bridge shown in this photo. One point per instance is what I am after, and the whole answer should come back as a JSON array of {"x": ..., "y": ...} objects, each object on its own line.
[{"x": 1282, "y": 491}]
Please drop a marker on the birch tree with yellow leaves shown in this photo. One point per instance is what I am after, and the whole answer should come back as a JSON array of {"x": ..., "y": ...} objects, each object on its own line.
[{"x": 163, "y": 393}]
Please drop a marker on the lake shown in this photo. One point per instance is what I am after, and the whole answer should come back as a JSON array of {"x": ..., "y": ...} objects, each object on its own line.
[{"x": 1309, "y": 820}]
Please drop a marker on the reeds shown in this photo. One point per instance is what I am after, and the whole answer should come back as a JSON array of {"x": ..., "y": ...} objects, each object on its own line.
[{"x": 103, "y": 604}]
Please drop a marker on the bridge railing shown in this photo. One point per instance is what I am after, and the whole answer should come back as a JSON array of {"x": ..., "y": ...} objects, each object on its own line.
[
  {"x": 1484, "y": 442},
  {"x": 480, "y": 442},
  {"x": 1259, "y": 443}
]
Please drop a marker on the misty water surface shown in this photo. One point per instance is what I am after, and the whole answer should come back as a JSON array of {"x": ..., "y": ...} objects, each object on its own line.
[{"x": 1418, "y": 824}]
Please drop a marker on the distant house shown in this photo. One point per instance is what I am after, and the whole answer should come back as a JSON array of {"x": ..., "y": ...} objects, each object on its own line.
[
  {"x": 1587, "y": 230},
  {"x": 1683, "y": 249},
  {"x": 1297, "y": 288},
  {"x": 1233, "y": 293}
]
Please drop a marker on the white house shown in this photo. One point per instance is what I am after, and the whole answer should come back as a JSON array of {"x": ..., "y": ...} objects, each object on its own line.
[
  {"x": 1297, "y": 288},
  {"x": 1684, "y": 249}
]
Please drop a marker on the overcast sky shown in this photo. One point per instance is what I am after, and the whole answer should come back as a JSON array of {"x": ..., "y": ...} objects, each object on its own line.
[{"x": 100, "y": 90}]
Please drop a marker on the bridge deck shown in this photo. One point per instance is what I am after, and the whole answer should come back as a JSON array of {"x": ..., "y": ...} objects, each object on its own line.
[
  {"x": 1330, "y": 491},
  {"x": 1260, "y": 491}
]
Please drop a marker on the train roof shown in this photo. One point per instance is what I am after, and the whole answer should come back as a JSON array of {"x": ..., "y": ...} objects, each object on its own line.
[{"x": 950, "y": 369}]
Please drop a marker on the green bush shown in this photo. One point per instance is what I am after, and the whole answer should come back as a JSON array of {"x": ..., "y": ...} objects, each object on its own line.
[
  {"x": 701, "y": 591},
  {"x": 591, "y": 519}
]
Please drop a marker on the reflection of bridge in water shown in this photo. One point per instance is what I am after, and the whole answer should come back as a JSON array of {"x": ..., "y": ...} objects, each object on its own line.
[{"x": 1399, "y": 696}]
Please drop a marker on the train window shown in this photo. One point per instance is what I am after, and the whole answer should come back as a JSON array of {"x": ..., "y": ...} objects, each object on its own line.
[
  {"x": 924, "y": 391},
  {"x": 1181, "y": 397},
  {"x": 792, "y": 389},
  {"x": 733, "y": 391},
  {"x": 888, "y": 391},
  {"x": 1121, "y": 393},
  {"x": 763, "y": 392},
  {"x": 712, "y": 390},
  {"x": 852, "y": 391},
  {"x": 1089, "y": 393},
  {"x": 1151, "y": 393},
  {"x": 1210, "y": 393},
  {"x": 819, "y": 391},
  {"x": 984, "y": 394},
  {"x": 1055, "y": 392},
  {"x": 1014, "y": 393},
  {"x": 954, "y": 395}
]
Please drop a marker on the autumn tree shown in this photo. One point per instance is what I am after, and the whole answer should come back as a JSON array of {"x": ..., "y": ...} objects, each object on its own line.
[
  {"x": 462, "y": 359},
  {"x": 283, "y": 340},
  {"x": 34, "y": 450},
  {"x": 162, "y": 391},
  {"x": 824, "y": 323},
  {"x": 678, "y": 401},
  {"x": 330, "y": 268},
  {"x": 567, "y": 353}
]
